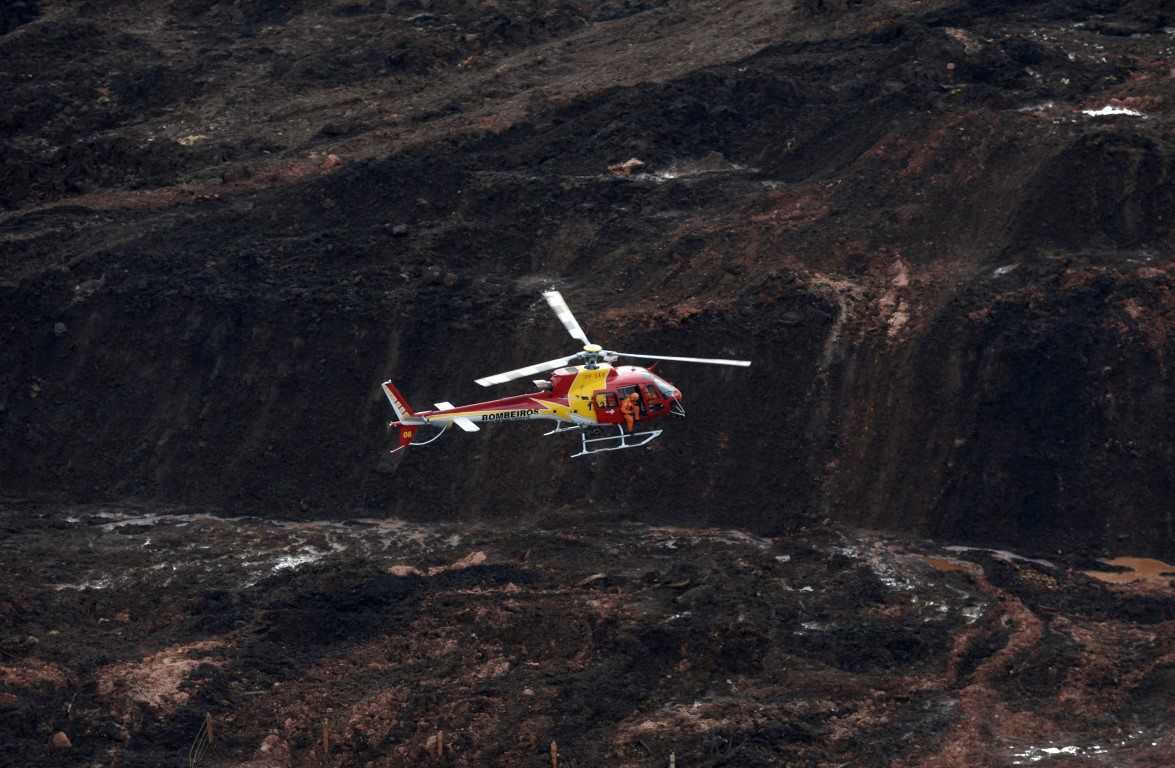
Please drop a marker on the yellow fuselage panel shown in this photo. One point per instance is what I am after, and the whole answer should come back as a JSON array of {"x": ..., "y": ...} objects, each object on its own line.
[
  {"x": 588, "y": 381},
  {"x": 579, "y": 394}
]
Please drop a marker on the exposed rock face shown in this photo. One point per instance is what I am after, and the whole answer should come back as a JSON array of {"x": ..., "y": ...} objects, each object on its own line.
[{"x": 942, "y": 233}]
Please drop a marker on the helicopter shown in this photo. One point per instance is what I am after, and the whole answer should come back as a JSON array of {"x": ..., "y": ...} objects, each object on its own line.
[{"x": 582, "y": 394}]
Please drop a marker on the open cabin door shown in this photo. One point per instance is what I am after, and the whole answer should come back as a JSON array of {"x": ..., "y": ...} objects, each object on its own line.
[{"x": 607, "y": 406}]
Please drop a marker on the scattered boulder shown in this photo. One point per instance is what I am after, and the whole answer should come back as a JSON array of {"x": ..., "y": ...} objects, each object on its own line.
[
  {"x": 628, "y": 167},
  {"x": 697, "y": 597},
  {"x": 60, "y": 741}
]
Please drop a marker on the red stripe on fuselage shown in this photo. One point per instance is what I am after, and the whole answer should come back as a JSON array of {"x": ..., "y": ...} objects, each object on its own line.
[{"x": 537, "y": 402}]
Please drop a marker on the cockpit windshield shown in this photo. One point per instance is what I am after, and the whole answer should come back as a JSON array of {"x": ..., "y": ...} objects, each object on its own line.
[{"x": 668, "y": 391}]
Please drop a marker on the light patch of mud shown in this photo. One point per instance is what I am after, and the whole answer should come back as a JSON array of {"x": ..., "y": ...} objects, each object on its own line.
[
  {"x": 82, "y": 586},
  {"x": 156, "y": 679},
  {"x": 472, "y": 559},
  {"x": 714, "y": 162},
  {"x": 29, "y": 672},
  {"x": 948, "y": 564}
]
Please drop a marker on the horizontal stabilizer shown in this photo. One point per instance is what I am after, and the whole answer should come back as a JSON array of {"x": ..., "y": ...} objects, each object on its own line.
[{"x": 460, "y": 421}]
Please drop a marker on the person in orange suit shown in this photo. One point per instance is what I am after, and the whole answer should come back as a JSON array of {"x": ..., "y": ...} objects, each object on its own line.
[{"x": 629, "y": 409}]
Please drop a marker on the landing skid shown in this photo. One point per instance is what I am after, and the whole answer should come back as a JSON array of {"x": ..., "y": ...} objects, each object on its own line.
[
  {"x": 617, "y": 442},
  {"x": 597, "y": 443}
]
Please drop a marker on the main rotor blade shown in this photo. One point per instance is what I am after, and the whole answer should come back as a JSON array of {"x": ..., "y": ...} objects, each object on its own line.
[
  {"x": 711, "y": 360},
  {"x": 518, "y": 373},
  {"x": 555, "y": 299}
]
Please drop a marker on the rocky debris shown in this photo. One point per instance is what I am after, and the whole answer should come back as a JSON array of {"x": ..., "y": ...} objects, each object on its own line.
[
  {"x": 472, "y": 559},
  {"x": 60, "y": 740},
  {"x": 628, "y": 167},
  {"x": 323, "y": 638}
]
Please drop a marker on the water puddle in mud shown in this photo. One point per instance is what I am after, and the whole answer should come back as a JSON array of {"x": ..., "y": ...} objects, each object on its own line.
[
  {"x": 1139, "y": 569},
  {"x": 947, "y": 564}
]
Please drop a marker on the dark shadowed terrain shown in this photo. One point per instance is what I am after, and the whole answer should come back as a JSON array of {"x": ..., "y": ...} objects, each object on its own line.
[{"x": 942, "y": 231}]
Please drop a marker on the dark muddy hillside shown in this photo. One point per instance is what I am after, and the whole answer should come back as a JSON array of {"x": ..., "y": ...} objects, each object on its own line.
[{"x": 942, "y": 231}]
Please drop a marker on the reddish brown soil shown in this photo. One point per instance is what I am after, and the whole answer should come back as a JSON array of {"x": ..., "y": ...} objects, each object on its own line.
[{"x": 622, "y": 643}]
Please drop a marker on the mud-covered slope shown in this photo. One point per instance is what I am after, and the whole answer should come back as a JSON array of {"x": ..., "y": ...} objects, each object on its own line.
[
  {"x": 942, "y": 233},
  {"x": 358, "y": 643}
]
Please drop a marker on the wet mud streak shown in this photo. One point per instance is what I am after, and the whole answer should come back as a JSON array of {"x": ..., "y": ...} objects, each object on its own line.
[{"x": 983, "y": 713}]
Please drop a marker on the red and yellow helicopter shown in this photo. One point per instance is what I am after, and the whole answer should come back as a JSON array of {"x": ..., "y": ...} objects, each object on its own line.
[{"x": 584, "y": 398}]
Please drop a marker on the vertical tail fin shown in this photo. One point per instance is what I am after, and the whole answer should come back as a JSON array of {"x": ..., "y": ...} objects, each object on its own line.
[
  {"x": 400, "y": 405},
  {"x": 406, "y": 420}
]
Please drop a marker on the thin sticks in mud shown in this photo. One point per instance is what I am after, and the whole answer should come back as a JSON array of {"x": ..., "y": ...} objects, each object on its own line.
[{"x": 202, "y": 741}]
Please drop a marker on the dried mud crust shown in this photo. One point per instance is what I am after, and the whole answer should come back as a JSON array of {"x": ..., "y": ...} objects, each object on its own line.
[{"x": 621, "y": 643}]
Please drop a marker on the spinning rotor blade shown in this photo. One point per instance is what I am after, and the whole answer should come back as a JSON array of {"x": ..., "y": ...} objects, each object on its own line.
[
  {"x": 555, "y": 299},
  {"x": 711, "y": 360},
  {"x": 518, "y": 373}
]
